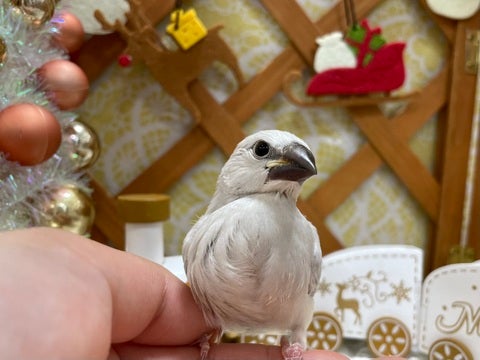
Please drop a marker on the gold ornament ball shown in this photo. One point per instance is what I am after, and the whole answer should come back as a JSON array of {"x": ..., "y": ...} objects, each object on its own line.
[
  {"x": 29, "y": 134},
  {"x": 69, "y": 208},
  {"x": 35, "y": 12},
  {"x": 85, "y": 147},
  {"x": 65, "y": 82},
  {"x": 3, "y": 52},
  {"x": 71, "y": 34}
]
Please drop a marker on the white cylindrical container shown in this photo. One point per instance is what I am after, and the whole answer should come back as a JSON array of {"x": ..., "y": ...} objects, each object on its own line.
[{"x": 144, "y": 215}]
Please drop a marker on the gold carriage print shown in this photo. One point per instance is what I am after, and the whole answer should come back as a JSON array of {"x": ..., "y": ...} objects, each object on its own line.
[
  {"x": 375, "y": 294},
  {"x": 451, "y": 312},
  {"x": 371, "y": 293}
]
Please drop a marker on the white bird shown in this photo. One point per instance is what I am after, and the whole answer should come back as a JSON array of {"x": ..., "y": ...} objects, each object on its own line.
[{"x": 253, "y": 260}]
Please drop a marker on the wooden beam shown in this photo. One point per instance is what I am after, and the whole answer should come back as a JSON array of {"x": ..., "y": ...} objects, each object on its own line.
[
  {"x": 361, "y": 165},
  {"x": 218, "y": 123},
  {"x": 398, "y": 155},
  {"x": 446, "y": 25},
  {"x": 458, "y": 130},
  {"x": 107, "y": 219},
  {"x": 301, "y": 32},
  {"x": 474, "y": 239}
]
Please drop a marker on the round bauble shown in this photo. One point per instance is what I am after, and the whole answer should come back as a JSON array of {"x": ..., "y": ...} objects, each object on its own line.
[
  {"x": 85, "y": 147},
  {"x": 71, "y": 34},
  {"x": 68, "y": 208},
  {"x": 65, "y": 82},
  {"x": 3, "y": 52},
  {"x": 29, "y": 134},
  {"x": 35, "y": 12}
]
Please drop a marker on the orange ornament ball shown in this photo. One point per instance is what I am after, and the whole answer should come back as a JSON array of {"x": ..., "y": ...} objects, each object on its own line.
[
  {"x": 29, "y": 134},
  {"x": 65, "y": 82},
  {"x": 71, "y": 34}
]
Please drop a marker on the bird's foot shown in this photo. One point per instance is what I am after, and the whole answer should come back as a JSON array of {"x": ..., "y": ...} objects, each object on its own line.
[
  {"x": 292, "y": 351},
  {"x": 204, "y": 343}
]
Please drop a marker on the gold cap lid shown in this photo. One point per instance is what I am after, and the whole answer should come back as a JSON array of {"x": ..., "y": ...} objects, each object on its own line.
[{"x": 142, "y": 208}]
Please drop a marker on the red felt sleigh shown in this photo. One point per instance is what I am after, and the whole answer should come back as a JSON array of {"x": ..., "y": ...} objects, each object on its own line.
[
  {"x": 383, "y": 74},
  {"x": 369, "y": 82}
]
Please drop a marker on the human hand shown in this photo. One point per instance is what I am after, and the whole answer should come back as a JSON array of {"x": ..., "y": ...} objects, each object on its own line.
[{"x": 67, "y": 297}]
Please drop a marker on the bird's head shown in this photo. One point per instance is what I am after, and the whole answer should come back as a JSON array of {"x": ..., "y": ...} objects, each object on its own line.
[{"x": 265, "y": 162}]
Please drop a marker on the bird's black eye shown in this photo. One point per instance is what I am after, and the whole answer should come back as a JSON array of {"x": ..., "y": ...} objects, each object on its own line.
[{"x": 261, "y": 149}]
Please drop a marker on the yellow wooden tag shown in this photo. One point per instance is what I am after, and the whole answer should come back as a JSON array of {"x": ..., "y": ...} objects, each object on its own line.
[{"x": 186, "y": 28}]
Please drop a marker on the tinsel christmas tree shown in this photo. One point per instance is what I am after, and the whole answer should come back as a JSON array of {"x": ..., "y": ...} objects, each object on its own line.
[{"x": 42, "y": 181}]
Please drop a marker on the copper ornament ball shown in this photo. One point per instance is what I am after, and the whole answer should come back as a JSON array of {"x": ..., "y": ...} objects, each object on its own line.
[
  {"x": 65, "y": 82},
  {"x": 29, "y": 134},
  {"x": 71, "y": 34}
]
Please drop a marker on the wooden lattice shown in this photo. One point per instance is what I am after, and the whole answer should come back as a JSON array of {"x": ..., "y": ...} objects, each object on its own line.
[{"x": 451, "y": 93}]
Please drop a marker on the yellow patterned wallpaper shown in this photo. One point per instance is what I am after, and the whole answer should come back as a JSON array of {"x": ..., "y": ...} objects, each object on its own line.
[{"x": 137, "y": 122}]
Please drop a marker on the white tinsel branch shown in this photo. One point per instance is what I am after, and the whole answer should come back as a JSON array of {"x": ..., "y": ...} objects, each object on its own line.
[{"x": 23, "y": 189}]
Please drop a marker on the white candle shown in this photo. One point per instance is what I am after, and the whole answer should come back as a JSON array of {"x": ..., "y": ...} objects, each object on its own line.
[{"x": 144, "y": 215}]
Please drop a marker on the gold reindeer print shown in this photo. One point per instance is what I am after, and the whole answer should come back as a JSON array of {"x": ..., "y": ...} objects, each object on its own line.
[
  {"x": 347, "y": 303},
  {"x": 364, "y": 291}
]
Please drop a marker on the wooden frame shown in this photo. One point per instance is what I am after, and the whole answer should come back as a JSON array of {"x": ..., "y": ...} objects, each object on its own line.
[{"x": 440, "y": 195}]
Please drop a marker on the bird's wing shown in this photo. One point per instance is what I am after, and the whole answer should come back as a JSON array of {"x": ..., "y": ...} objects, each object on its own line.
[
  {"x": 197, "y": 244},
  {"x": 316, "y": 262},
  {"x": 223, "y": 259}
]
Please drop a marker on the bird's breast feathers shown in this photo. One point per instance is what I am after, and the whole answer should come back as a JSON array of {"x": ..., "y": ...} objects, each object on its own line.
[{"x": 252, "y": 253}]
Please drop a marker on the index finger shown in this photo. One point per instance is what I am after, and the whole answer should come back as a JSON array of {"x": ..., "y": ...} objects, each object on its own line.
[
  {"x": 221, "y": 351},
  {"x": 129, "y": 298},
  {"x": 149, "y": 304}
]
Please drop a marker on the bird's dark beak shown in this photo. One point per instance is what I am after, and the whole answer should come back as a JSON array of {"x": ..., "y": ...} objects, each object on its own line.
[{"x": 295, "y": 163}]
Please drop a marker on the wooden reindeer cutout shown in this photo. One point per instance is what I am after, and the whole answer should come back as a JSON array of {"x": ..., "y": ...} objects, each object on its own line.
[{"x": 174, "y": 70}]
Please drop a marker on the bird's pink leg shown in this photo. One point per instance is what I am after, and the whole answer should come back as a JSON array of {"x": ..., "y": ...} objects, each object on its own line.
[
  {"x": 204, "y": 343},
  {"x": 291, "y": 351}
]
